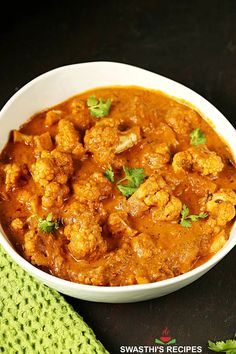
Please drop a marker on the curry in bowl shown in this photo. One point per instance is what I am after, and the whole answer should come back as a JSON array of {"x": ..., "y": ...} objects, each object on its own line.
[{"x": 117, "y": 186}]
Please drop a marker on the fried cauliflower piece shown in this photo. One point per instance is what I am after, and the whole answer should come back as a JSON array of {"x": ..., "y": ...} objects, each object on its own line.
[
  {"x": 168, "y": 212},
  {"x": 218, "y": 242},
  {"x": 51, "y": 171},
  {"x": 17, "y": 224},
  {"x": 154, "y": 195},
  {"x": 80, "y": 115},
  {"x": 54, "y": 166},
  {"x": 52, "y": 117},
  {"x": 118, "y": 225},
  {"x": 42, "y": 142},
  {"x": 32, "y": 250},
  {"x": 13, "y": 172},
  {"x": 30, "y": 200},
  {"x": 93, "y": 190},
  {"x": 38, "y": 142},
  {"x": 85, "y": 237},
  {"x": 127, "y": 139},
  {"x": 101, "y": 140},
  {"x": 74, "y": 209},
  {"x": 181, "y": 119},
  {"x": 71, "y": 211},
  {"x": 54, "y": 195},
  {"x": 198, "y": 158},
  {"x": 155, "y": 155},
  {"x": 105, "y": 140},
  {"x": 68, "y": 139},
  {"x": 225, "y": 195},
  {"x": 136, "y": 205},
  {"x": 221, "y": 206},
  {"x": 77, "y": 105}
]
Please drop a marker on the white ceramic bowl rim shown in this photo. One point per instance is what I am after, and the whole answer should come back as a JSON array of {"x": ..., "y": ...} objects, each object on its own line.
[{"x": 110, "y": 289}]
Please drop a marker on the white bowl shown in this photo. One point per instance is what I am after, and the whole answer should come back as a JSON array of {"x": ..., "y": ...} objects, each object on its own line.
[{"x": 56, "y": 86}]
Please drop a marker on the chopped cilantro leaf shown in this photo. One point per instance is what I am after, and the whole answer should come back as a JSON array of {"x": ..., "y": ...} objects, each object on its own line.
[
  {"x": 197, "y": 137},
  {"x": 92, "y": 101},
  {"x": 98, "y": 107},
  {"x": 185, "y": 223},
  {"x": 186, "y": 219},
  {"x": 109, "y": 174},
  {"x": 48, "y": 225},
  {"x": 126, "y": 190},
  {"x": 134, "y": 177}
]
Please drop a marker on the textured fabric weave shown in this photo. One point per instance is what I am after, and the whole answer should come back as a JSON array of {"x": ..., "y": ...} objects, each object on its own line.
[{"x": 35, "y": 319}]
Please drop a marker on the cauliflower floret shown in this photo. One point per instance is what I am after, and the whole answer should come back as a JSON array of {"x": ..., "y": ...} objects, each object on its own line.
[
  {"x": 182, "y": 161},
  {"x": 68, "y": 139},
  {"x": 118, "y": 225},
  {"x": 13, "y": 173},
  {"x": 224, "y": 195},
  {"x": 52, "y": 166},
  {"x": 200, "y": 159},
  {"x": 55, "y": 195},
  {"x": 85, "y": 237},
  {"x": 32, "y": 250},
  {"x": 127, "y": 139},
  {"x": 52, "y": 117},
  {"x": 205, "y": 161},
  {"x": 43, "y": 142},
  {"x": 155, "y": 155},
  {"x": 73, "y": 210},
  {"x": 30, "y": 200},
  {"x": 17, "y": 224},
  {"x": 168, "y": 211},
  {"x": 92, "y": 190},
  {"x": 218, "y": 242},
  {"x": 181, "y": 119},
  {"x": 136, "y": 205},
  {"x": 105, "y": 140},
  {"x": 80, "y": 115},
  {"x": 154, "y": 194},
  {"x": 101, "y": 140},
  {"x": 164, "y": 206},
  {"x": 221, "y": 206},
  {"x": 77, "y": 105},
  {"x": 43, "y": 171}
]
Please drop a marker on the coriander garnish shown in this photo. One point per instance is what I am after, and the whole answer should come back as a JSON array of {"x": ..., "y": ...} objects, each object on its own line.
[
  {"x": 186, "y": 219},
  {"x": 48, "y": 225},
  {"x": 197, "y": 137},
  {"x": 109, "y": 174},
  {"x": 134, "y": 177},
  {"x": 98, "y": 107}
]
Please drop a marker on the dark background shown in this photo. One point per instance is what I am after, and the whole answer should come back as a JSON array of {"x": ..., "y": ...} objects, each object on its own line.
[{"x": 193, "y": 42}]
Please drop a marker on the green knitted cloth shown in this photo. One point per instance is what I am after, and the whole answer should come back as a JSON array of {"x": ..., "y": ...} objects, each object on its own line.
[{"x": 35, "y": 319}]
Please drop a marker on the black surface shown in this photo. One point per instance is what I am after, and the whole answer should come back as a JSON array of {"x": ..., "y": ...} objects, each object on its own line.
[{"x": 193, "y": 42}]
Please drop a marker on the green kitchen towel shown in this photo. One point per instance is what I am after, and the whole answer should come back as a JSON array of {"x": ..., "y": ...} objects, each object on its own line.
[{"x": 35, "y": 319}]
